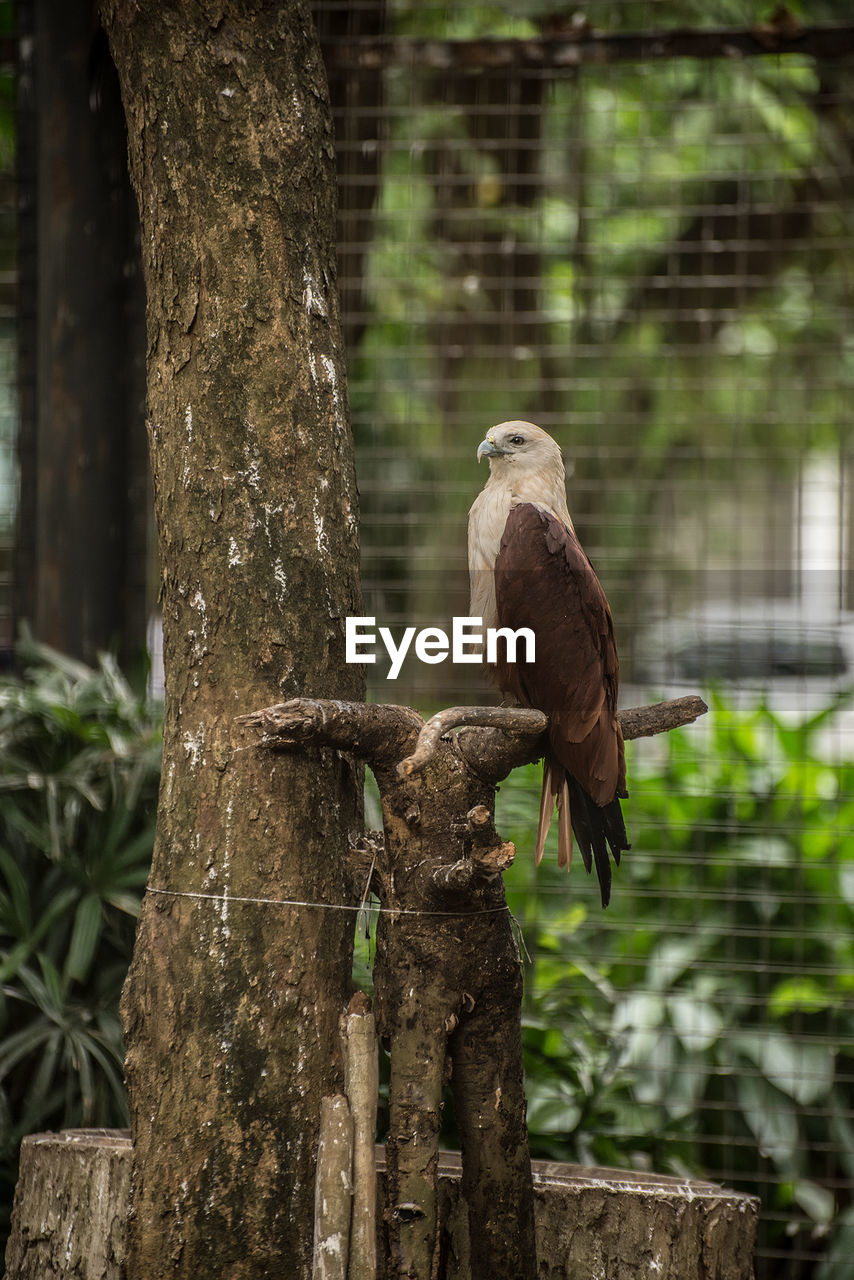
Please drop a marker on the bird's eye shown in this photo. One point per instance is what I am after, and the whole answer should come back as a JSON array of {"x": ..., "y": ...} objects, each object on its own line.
[{"x": 517, "y": 439}]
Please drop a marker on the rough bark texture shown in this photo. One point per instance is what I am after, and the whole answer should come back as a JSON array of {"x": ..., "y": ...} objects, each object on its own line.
[
  {"x": 448, "y": 983},
  {"x": 589, "y": 1222},
  {"x": 231, "y": 1009}
]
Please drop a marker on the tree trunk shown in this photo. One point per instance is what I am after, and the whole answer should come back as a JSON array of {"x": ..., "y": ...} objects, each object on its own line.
[
  {"x": 447, "y": 983},
  {"x": 231, "y": 1007}
]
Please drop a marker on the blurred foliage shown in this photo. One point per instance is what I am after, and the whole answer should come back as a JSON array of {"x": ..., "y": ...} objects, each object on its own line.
[
  {"x": 637, "y": 256},
  {"x": 79, "y": 772},
  {"x": 704, "y": 1024}
]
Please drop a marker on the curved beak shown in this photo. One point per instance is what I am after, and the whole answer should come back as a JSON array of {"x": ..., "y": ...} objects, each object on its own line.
[{"x": 486, "y": 449}]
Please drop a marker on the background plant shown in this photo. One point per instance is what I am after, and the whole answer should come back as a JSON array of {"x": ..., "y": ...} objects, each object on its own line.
[
  {"x": 704, "y": 1024},
  {"x": 79, "y": 770}
]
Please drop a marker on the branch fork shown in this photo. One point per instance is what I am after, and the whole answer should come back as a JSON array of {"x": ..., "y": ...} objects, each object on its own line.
[{"x": 447, "y": 977}]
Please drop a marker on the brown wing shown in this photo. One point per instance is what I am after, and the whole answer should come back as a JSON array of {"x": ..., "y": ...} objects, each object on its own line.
[{"x": 543, "y": 580}]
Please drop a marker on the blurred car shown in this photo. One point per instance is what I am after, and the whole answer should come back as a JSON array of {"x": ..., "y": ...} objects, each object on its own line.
[{"x": 796, "y": 661}]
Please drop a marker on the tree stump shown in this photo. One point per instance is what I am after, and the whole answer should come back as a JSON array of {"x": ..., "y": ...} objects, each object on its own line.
[
  {"x": 71, "y": 1206},
  {"x": 71, "y": 1210},
  {"x": 617, "y": 1225}
]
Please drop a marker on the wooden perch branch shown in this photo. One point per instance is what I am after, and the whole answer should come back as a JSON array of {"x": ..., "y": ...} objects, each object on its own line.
[
  {"x": 370, "y": 730},
  {"x": 496, "y": 739},
  {"x": 520, "y": 721},
  {"x": 524, "y": 727},
  {"x": 646, "y": 722}
]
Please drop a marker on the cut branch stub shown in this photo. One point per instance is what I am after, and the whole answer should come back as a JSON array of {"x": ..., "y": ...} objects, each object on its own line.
[
  {"x": 361, "y": 1081},
  {"x": 333, "y": 1190}
]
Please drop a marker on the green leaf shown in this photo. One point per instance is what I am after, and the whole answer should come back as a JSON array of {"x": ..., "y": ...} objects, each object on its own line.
[
  {"x": 127, "y": 903},
  {"x": 12, "y": 960},
  {"x": 639, "y": 1011},
  {"x": 673, "y": 958},
  {"x": 39, "y": 1095},
  {"x": 838, "y": 1262},
  {"x": 799, "y": 995},
  {"x": 51, "y": 995},
  {"x": 697, "y": 1023},
  {"x": 88, "y": 923},
  {"x": 846, "y": 882},
  {"x": 19, "y": 891},
  {"x": 801, "y": 1070},
  {"x": 770, "y": 1118},
  {"x": 816, "y": 1201},
  {"x": 27, "y": 1042},
  {"x": 551, "y": 1110}
]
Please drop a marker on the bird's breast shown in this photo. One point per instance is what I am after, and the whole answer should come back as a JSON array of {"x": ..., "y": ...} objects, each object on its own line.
[{"x": 487, "y": 519}]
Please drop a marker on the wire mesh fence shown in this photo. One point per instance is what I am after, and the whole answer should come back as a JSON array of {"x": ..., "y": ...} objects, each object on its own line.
[{"x": 646, "y": 250}]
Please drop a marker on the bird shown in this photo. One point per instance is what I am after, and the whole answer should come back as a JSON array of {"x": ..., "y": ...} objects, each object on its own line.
[{"x": 527, "y": 568}]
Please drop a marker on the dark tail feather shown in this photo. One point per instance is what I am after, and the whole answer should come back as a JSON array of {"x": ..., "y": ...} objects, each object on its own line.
[{"x": 597, "y": 828}]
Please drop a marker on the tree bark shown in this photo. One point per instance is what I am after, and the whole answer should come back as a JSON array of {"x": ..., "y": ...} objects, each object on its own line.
[
  {"x": 71, "y": 1206},
  {"x": 447, "y": 972},
  {"x": 231, "y": 1008}
]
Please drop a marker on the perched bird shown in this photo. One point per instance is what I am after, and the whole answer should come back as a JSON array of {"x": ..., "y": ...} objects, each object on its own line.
[{"x": 527, "y": 569}]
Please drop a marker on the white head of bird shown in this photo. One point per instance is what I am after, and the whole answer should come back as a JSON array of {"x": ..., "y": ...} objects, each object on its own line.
[{"x": 527, "y": 463}]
